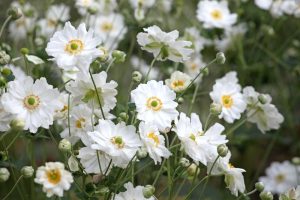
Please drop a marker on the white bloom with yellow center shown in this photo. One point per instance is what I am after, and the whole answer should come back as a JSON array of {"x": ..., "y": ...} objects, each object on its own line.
[
  {"x": 178, "y": 81},
  {"x": 118, "y": 141},
  {"x": 154, "y": 142},
  {"x": 80, "y": 123},
  {"x": 155, "y": 103},
  {"x": 165, "y": 45},
  {"x": 83, "y": 90},
  {"x": 199, "y": 145},
  {"x": 54, "y": 178},
  {"x": 280, "y": 177},
  {"x": 227, "y": 92},
  {"x": 266, "y": 115},
  {"x": 33, "y": 102},
  {"x": 72, "y": 47},
  {"x": 132, "y": 193},
  {"x": 215, "y": 14}
]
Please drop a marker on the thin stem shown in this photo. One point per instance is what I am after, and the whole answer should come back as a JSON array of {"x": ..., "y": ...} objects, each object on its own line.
[
  {"x": 151, "y": 66},
  {"x": 69, "y": 124},
  {"x": 98, "y": 159},
  {"x": 26, "y": 65},
  {"x": 4, "y": 24},
  {"x": 247, "y": 194},
  {"x": 98, "y": 97},
  {"x": 13, "y": 140},
  {"x": 190, "y": 193},
  {"x": 194, "y": 97},
  {"x": 12, "y": 189},
  {"x": 207, "y": 121},
  {"x": 110, "y": 64}
]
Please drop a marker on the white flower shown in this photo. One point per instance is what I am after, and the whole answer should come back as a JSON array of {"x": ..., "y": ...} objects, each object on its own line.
[
  {"x": 164, "y": 45},
  {"x": 234, "y": 178},
  {"x": 266, "y": 115},
  {"x": 154, "y": 142},
  {"x": 193, "y": 66},
  {"x": 83, "y": 90},
  {"x": 110, "y": 28},
  {"x": 143, "y": 67},
  {"x": 5, "y": 119},
  {"x": 291, "y": 194},
  {"x": 199, "y": 145},
  {"x": 54, "y": 178},
  {"x": 215, "y": 14},
  {"x": 119, "y": 141},
  {"x": 178, "y": 81},
  {"x": 84, "y": 5},
  {"x": 140, "y": 7},
  {"x": 132, "y": 193},
  {"x": 74, "y": 48},
  {"x": 227, "y": 92},
  {"x": 264, "y": 4},
  {"x": 35, "y": 103},
  {"x": 280, "y": 177},
  {"x": 155, "y": 104},
  {"x": 55, "y": 14},
  {"x": 80, "y": 123}
]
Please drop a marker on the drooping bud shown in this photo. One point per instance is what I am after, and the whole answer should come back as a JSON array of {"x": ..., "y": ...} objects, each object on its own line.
[
  {"x": 119, "y": 56},
  {"x": 220, "y": 58},
  {"x": 184, "y": 162},
  {"x": 192, "y": 169},
  {"x": 27, "y": 171},
  {"x": 222, "y": 150},
  {"x": 65, "y": 145},
  {"x": 4, "y": 174},
  {"x": 259, "y": 186},
  {"x": 15, "y": 13},
  {"x": 17, "y": 124},
  {"x": 266, "y": 195},
  {"x": 137, "y": 76},
  {"x": 148, "y": 191}
]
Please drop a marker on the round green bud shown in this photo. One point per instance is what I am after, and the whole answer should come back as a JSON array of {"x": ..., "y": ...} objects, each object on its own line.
[
  {"x": 15, "y": 13},
  {"x": 148, "y": 191},
  {"x": 2, "y": 81},
  {"x": 124, "y": 116},
  {"x": 4, "y": 174},
  {"x": 24, "y": 51},
  {"x": 259, "y": 186},
  {"x": 119, "y": 56},
  {"x": 4, "y": 58},
  {"x": 65, "y": 145},
  {"x": 220, "y": 58},
  {"x": 27, "y": 171},
  {"x": 296, "y": 160},
  {"x": 142, "y": 153},
  {"x": 215, "y": 108},
  {"x": 192, "y": 169},
  {"x": 180, "y": 100},
  {"x": 17, "y": 124},
  {"x": 266, "y": 195},
  {"x": 137, "y": 76},
  {"x": 262, "y": 98},
  {"x": 6, "y": 71},
  {"x": 222, "y": 150},
  {"x": 184, "y": 162}
]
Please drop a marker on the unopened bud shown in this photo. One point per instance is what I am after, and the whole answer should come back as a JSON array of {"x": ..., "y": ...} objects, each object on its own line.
[
  {"x": 262, "y": 98},
  {"x": 296, "y": 160},
  {"x": 220, "y": 58},
  {"x": 184, "y": 162},
  {"x": 65, "y": 145},
  {"x": 24, "y": 51},
  {"x": 180, "y": 100},
  {"x": 27, "y": 171},
  {"x": 119, "y": 56},
  {"x": 4, "y": 174},
  {"x": 4, "y": 58},
  {"x": 193, "y": 169},
  {"x": 2, "y": 81},
  {"x": 137, "y": 76},
  {"x": 259, "y": 186},
  {"x": 222, "y": 150},
  {"x": 6, "y": 71},
  {"x": 215, "y": 108},
  {"x": 266, "y": 195},
  {"x": 15, "y": 13},
  {"x": 3, "y": 156},
  {"x": 104, "y": 55},
  {"x": 142, "y": 153},
  {"x": 148, "y": 191},
  {"x": 17, "y": 124},
  {"x": 124, "y": 116}
]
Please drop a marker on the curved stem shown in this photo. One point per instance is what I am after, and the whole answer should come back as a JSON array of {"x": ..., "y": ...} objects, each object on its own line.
[
  {"x": 4, "y": 24},
  {"x": 12, "y": 189},
  {"x": 110, "y": 64},
  {"x": 194, "y": 97},
  {"x": 151, "y": 66}
]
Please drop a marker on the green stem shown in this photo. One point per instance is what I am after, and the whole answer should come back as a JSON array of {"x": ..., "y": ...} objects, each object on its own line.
[
  {"x": 69, "y": 124},
  {"x": 26, "y": 65},
  {"x": 4, "y": 24},
  {"x": 12, "y": 189},
  {"x": 110, "y": 64},
  {"x": 13, "y": 140},
  {"x": 207, "y": 121},
  {"x": 151, "y": 66},
  {"x": 247, "y": 194},
  {"x": 194, "y": 97}
]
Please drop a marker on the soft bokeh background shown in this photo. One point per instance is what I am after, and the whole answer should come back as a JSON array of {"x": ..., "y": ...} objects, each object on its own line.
[{"x": 267, "y": 57}]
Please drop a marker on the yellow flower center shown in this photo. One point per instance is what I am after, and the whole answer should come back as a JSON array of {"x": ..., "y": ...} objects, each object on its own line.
[
  {"x": 193, "y": 66},
  {"x": 31, "y": 102},
  {"x": 227, "y": 101},
  {"x": 80, "y": 123},
  {"x": 216, "y": 14},
  {"x": 65, "y": 108},
  {"x": 193, "y": 136},
  {"x": 118, "y": 141},
  {"x": 177, "y": 83},
  {"x": 53, "y": 176},
  {"x": 154, "y": 138},
  {"x": 74, "y": 47},
  {"x": 106, "y": 26},
  {"x": 280, "y": 178},
  {"x": 154, "y": 103},
  {"x": 230, "y": 165}
]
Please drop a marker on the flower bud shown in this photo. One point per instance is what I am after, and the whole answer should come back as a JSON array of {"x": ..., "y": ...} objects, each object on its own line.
[
  {"x": 3, "y": 156},
  {"x": 6, "y": 71},
  {"x": 259, "y": 186},
  {"x": 205, "y": 71},
  {"x": 27, "y": 171},
  {"x": 137, "y": 76},
  {"x": 220, "y": 58},
  {"x": 64, "y": 145},
  {"x": 215, "y": 108},
  {"x": 104, "y": 55},
  {"x": 296, "y": 160},
  {"x": 266, "y": 195},
  {"x": 180, "y": 100},
  {"x": 15, "y": 13},
  {"x": 2, "y": 81},
  {"x": 4, "y": 58},
  {"x": 262, "y": 98},
  {"x": 192, "y": 169},
  {"x": 119, "y": 56},
  {"x": 148, "y": 191},
  {"x": 124, "y": 116},
  {"x": 4, "y": 174},
  {"x": 142, "y": 153},
  {"x": 222, "y": 150},
  {"x": 184, "y": 162},
  {"x": 17, "y": 124},
  {"x": 24, "y": 51}
]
